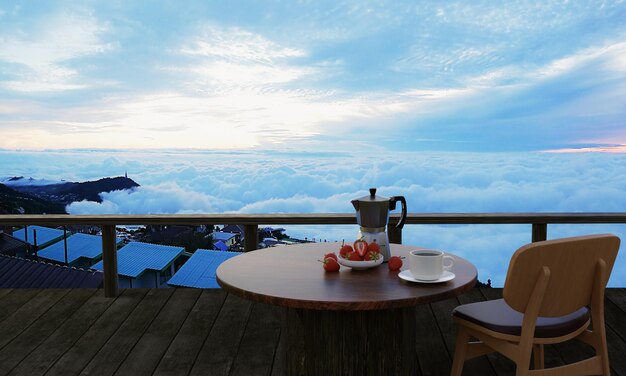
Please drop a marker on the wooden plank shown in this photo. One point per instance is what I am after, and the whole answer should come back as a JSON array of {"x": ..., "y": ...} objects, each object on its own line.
[
  {"x": 145, "y": 356},
  {"x": 44, "y": 356},
  {"x": 183, "y": 351},
  {"x": 258, "y": 345},
  {"x": 81, "y": 353},
  {"x": 28, "y": 313},
  {"x": 617, "y": 297},
  {"x": 46, "y": 324},
  {"x": 443, "y": 314},
  {"x": 109, "y": 262},
  {"x": 3, "y": 293},
  {"x": 113, "y": 353},
  {"x": 615, "y": 324},
  {"x": 614, "y": 318},
  {"x": 432, "y": 353},
  {"x": 13, "y": 300},
  {"x": 220, "y": 348}
]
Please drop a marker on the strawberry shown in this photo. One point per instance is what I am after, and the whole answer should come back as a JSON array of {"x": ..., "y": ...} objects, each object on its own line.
[
  {"x": 371, "y": 256},
  {"x": 360, "y": 247},
  {"x": 353, "y": 256},
  {"x": 373, "y": 247},
  {"x": 395, "y": 263},
  {"x": 345, "y": 250},
  {"x": 330, "y": 264},
  {"x": 331, "y": 255}
]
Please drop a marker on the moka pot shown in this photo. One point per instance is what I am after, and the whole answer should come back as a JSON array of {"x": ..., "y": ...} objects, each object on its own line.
[{"x": 372, "y": 215}]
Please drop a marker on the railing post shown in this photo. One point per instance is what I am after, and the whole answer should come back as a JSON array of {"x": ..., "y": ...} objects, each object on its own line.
[
  {"x": 109, "y": 261},
  {"x": 250, "y": 237},
  {"x": 540, "y": 232},
  {"x": 394, "y": 234}
]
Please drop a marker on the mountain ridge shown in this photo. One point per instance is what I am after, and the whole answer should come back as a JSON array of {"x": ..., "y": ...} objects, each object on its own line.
[{"x": 48, "y": 198}]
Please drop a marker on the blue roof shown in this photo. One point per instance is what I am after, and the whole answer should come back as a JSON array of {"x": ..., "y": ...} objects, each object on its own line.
[
  {"x": 218, "y": 235},
  {"x": 44, "y": 235},
  {"x": 135, "y": 257},
  {"x": 199, "y": 270},
  {"x": 78, "y": 245},
  {"x": 220, "y": 245}
]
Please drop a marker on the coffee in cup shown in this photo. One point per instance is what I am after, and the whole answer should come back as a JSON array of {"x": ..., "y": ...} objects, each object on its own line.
[{"x": 429, "y": 264}]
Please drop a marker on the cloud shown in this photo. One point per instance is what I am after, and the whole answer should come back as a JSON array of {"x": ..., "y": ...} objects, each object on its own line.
[{"x": 41, "y": 56}]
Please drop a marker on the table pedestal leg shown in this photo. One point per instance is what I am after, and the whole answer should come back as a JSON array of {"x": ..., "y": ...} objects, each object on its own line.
[{"x": 350, "y": 342}]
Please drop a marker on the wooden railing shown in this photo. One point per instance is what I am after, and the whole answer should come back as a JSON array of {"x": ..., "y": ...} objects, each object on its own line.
[{"x": 539, "y": 222}]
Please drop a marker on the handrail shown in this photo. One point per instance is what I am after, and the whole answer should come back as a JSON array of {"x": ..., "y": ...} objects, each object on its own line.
[
  {"x": 108, "y": 222},
  {"x": 308, "y": 219}
]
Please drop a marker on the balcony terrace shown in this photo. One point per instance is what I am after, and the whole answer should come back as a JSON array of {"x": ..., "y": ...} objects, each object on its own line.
[{"x": 180, "y": 331}]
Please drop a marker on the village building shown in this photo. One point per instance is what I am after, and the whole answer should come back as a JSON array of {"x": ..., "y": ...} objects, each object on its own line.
[
  {"x": 83, "y": 250},
  {"x": 145, "y": 265},
  {"x": 199, "y": 270}
]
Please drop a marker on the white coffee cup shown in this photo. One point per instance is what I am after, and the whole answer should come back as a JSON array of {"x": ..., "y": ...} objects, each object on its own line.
[{"x": 429, "y": 264}]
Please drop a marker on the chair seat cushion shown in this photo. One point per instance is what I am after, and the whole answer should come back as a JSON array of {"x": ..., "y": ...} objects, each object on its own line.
[{"x": 499, "y": 317}]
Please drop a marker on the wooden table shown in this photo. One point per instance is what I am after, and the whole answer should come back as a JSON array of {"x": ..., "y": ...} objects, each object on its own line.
[{"x": 351, "y": 322}]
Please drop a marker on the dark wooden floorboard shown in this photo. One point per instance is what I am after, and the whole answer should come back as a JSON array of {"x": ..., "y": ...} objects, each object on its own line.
[
  {"x": 27, "y": 313},
  {"x": 259, "y": 342},
  {"x": 13, "y": 300},
  {"x": 184, "y": 349},
  {"x": 35, "y": 334},
  {"x": 146, "y": 354},
  {"x": 4, "y": 292},
  {"x": 221, "y": 347},
  {"x": 80, "y": 354},
  {"x": 44, "y": 356},
  {"x": 113, "y": 353},
  {"x": 182, "y": 332},
  {"x": 431, "y": 350}
]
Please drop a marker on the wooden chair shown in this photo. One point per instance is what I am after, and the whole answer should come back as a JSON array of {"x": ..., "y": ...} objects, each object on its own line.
[{"x": 553, "y": 291}]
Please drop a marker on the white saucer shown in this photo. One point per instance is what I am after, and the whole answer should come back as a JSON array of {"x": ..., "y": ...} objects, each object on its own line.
[
  {"x": 360, "y": 265},
  {"x": 445, "y": 276}
]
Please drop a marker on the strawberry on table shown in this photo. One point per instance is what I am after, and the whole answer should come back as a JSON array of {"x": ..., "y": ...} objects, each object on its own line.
[
  {"x": 395, "y": 263},
  {"x": 330, "y": 264},
  {"x": 331, "y": 255}
]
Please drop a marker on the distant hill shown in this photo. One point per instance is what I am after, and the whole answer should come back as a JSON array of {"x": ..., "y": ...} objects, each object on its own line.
[
  {"x": 14, "y": 202},
  {"x": 66, "y": 193}
]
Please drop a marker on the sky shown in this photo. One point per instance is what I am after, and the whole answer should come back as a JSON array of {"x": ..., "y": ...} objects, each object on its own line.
[{"x": 357, "y": 75}]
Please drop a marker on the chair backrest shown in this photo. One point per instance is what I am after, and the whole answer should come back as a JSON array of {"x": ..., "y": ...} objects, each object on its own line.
[{"x": 573, "y": 263}]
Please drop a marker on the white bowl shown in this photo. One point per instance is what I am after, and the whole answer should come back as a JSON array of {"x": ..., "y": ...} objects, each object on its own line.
[{"x": 360, "y": 265}]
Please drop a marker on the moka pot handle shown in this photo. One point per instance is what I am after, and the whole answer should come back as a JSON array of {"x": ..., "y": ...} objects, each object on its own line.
[{"x": 392, "y": 206}]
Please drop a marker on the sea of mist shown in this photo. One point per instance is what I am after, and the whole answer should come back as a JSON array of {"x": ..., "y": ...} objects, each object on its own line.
[{"x": 196, "y": 181}]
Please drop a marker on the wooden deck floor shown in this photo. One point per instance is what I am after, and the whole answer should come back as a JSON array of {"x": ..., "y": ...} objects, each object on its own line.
[{"x": 208, "y": 332}]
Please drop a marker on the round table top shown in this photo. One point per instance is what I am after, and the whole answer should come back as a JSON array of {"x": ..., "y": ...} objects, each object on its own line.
[{"x": 291, "y": 276}]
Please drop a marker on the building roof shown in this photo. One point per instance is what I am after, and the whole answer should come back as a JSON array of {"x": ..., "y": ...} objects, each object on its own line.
[
  {"x": 224, "y": 236},
  {"x": 199, "y": 270},
  {"x": 237, "y": 229},
  {"x": 21, "y": 273},
  {"x": 220, "y": 245},
  {"x": 45, "y": 235},
  {"x": 10, "y": 245},
  {"x": 135, "y": 257},
  {"x": 78, "y": 245}
]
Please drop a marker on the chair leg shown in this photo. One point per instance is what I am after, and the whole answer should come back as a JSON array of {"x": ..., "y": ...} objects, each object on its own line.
[
  {"x": 538, "y": 356},
  {"x": 460, "y": 351}
]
